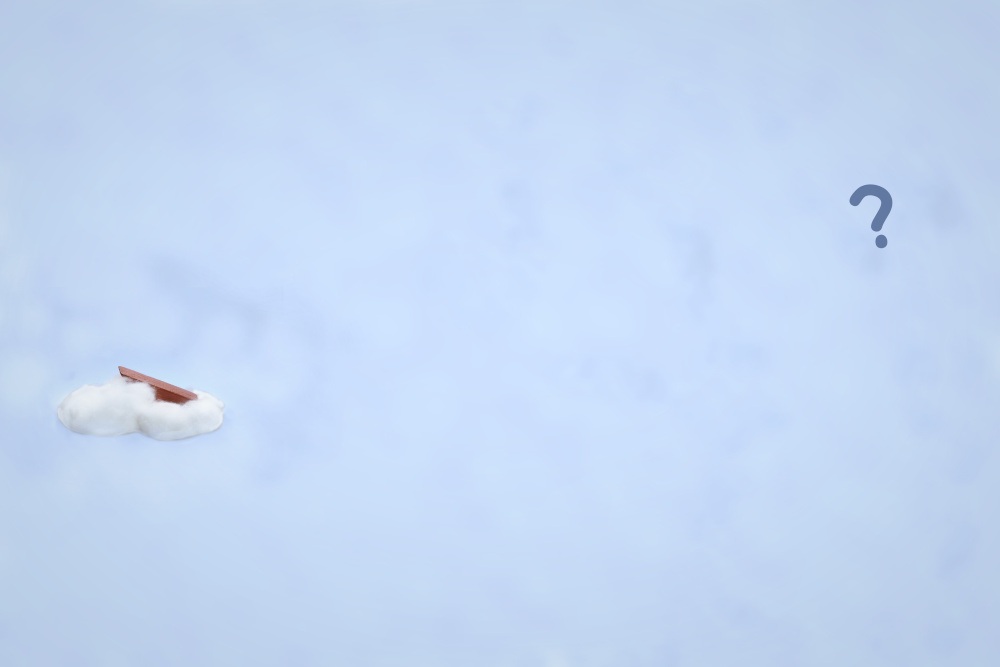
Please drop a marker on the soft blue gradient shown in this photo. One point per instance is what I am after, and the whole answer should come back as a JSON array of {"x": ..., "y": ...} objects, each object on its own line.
[{"x": 547, "y": 333}]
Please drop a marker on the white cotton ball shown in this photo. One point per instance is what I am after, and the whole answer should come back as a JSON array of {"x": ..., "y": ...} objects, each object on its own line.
[
  {"x": 170, "y": 421},
  {"x": 121, "y": 407},
  {"x": 108, "y": 409}
]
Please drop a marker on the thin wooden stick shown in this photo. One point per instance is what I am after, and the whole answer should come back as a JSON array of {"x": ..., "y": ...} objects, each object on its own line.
[{"x": 164, "y": 391}]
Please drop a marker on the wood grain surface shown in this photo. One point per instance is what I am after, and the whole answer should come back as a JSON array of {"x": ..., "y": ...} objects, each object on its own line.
[{"x": 164, "y": 390}]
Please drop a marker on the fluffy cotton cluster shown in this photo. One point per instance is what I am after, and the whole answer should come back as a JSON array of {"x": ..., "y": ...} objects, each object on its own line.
[{"x": 121, "y": 406}]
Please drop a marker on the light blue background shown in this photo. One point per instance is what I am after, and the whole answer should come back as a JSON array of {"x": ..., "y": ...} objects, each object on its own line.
[{"x": 546, "y": 332}]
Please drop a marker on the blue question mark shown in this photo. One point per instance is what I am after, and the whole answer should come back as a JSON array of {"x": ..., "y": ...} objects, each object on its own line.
[{"x": 883, "y": 210}]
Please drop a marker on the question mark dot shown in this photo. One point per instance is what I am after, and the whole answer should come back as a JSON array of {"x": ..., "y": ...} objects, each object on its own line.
[{"x": 881, "y": 240}]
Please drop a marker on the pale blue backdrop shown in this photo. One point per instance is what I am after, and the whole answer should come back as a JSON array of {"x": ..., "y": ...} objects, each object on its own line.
[{"x": 547, "y": 334}]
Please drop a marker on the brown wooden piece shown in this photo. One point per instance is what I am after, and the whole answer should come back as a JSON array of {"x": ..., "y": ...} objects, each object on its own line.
[{"x": 164, "y": 391}]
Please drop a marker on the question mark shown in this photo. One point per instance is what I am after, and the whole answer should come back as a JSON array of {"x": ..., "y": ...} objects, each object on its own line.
[{"x": 883, "y": 210}]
